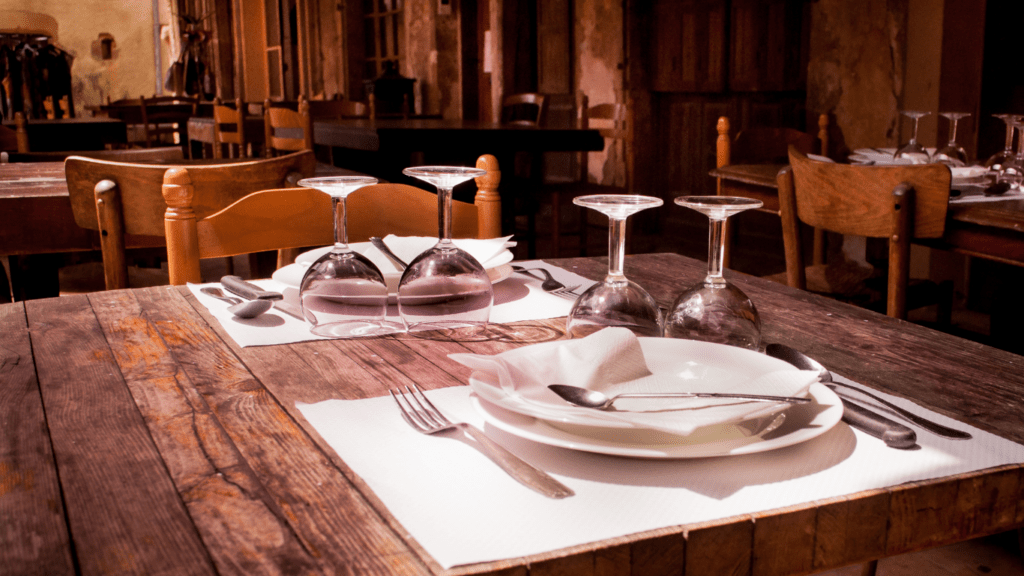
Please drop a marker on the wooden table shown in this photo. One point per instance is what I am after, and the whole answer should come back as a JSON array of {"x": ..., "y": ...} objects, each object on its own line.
[
  {"x": 73, "y": 133},
  {"x": 992, "y": 230},
  {"x": 138, "y": 438}
]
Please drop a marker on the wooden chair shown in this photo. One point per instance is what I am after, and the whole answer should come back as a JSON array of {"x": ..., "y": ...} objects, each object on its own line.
[
  {"x": 895, "y": 202},
  {"x": 234, "y": 137},
  {"x": 287, "y": 130},
  {"x": 299, "y": 217},
  {"x": 124, "y": 203},
  {"x": 764, "y": 145},
  {"x": 525, "y": 109},
  {"x": 165, "y": 116},
  {"x": 612, "y": 121}
]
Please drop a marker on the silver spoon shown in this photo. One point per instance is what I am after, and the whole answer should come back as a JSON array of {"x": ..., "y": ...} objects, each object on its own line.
[
  {"x": 240, "y": 308},
  {"x": 379, "y": 244},
  {"x": 800, "y": 360},
  {"x": 594, "y": 399},
  {"x": 548, "y": 285}
]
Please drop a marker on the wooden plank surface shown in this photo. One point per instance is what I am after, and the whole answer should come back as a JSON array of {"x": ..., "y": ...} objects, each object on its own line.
[
  {"x": 33, "y": 536},
  {"x": 124, "y": 514}
]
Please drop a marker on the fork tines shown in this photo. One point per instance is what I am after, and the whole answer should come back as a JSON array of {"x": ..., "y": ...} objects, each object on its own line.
[
  {"x": 418, "y": 410},
  {"x": 567, "y": 292}
]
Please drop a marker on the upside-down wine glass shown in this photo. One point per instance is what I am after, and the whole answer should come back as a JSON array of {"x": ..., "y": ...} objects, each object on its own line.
[
  {"x": 715, "y": 310},
  {"x": 1013, "y": 169},
  {"x": 952, "y": 154},
  {"x": 912, "y": 150},
  {"x": 445, "y": 288},
  {"x": 999, "y": 159},
  {"x": 617, "y": 301},
  {"x": 343, "y": 294}
]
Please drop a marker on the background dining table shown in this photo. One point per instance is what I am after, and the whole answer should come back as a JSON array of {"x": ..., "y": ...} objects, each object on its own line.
[
  {"x": 81, "y": 133},
  {"x": 139, "y": 438}
]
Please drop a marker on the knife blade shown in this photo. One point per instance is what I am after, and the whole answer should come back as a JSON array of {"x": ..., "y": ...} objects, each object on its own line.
[{"x": 250, "y": 291}]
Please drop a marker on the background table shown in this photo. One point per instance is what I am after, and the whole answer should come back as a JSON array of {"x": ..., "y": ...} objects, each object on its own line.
[
  {"x": 178, "y": 452},
  {"x": 73, "y": 133}
]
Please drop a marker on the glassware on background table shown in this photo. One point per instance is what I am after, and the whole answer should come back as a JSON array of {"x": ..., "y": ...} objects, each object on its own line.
[
  {"x": 1012, "y": 170},
  {"x": 912, "y": 150},
  {"x": 617, "y": 301},
  {"x": 997, "y": 160},
  {"x": 445, "y": 288},
  {"x": 343, "y": 294},
  {"x": 952, "y": 154},
  {"x": 715, "y": 310}
]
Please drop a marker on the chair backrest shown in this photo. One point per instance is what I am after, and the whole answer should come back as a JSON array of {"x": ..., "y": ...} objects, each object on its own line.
[
  {"x": 297, "y": 217},
  {"x": 124, "y": 201},
  {"x": 612, "y": 121},
  {"x": 525, "y": 109},
  {"x": 764, "y": 145},
  {"x": 229, "y": 129},
  {"x": 163, "y": 115},
  {"x": 895, "y": 202},
  {"x": 287, "y": 130}
]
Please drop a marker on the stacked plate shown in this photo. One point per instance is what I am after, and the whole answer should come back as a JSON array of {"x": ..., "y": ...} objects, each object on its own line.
[{"x": 693, "y": 428}]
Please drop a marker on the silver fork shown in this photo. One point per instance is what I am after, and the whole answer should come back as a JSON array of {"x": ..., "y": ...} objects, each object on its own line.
[
  {"x": 568, "y": 292},
  {"x": 424, "y": 417}
]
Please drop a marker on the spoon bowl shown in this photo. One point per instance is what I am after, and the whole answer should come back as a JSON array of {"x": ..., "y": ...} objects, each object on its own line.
[{"x": 240, "y": 308}]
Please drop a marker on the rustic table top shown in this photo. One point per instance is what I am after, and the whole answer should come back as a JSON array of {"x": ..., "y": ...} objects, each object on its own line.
[{"x": 139, "y": 438}]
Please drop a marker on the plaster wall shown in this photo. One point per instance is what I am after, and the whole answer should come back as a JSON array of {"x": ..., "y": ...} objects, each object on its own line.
[
  {"x": 599, "y": 74},
  {"x": 131, "y": 72},
  {"x": 856, "y": 68},
  {"x": 421, "y": 54}
]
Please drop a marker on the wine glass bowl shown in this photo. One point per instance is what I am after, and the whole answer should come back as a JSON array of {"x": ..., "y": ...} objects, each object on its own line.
[
  {"x": 445, "y": 288},
  {"x": 997, "y": 161},
  {"x": 616, "y": 301},
  {"x": 714, "y": 310},
  {"x": 343, "y": 294},
  {"x": 952, "y": 154},
  {"x": 912, "y": 151}
]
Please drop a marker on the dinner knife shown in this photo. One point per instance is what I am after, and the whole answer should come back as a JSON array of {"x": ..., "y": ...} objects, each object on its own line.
[
  {"x": 250, "y": 291},
  {"x": 894, "y": 434}
]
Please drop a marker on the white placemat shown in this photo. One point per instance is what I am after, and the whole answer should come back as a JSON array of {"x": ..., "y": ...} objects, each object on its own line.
[
  {"x": 516, "y": 299},
  {"x": 463, "y": 509}
]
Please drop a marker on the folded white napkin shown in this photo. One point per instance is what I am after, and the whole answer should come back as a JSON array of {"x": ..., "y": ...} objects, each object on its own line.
[{"x": 611, "y": 361}]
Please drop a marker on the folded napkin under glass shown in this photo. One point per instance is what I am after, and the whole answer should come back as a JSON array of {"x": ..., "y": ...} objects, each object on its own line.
[{"x": 613, "y": 362}]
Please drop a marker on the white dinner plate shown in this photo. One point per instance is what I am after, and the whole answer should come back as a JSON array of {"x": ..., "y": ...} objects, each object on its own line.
[
  {"x": 679, "y": 364},
  {"x": 802, "y": 423}
]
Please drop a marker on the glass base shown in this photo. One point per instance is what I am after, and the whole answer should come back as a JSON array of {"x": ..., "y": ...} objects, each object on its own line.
[
  {"x": 356, "y": 329},
  {"x": 453, "y": 331}
]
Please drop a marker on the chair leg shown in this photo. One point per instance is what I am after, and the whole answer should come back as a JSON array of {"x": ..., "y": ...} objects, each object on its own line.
[{"x": 869, "y": 568}]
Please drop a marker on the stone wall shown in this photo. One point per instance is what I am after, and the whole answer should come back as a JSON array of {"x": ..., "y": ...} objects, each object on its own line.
[{"x": 130, "y": 72}]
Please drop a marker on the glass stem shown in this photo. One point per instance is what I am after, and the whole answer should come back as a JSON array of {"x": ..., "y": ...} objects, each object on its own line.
[
  {"x": 952, "y": 132},
  {"x": 1009, "y": 135},
  {"x": 616, "y": 248},
  {"x": 444, "y": 214},
  {"x": 716, "y": 252},
  {"x": 913, "y": 137},
  {"x": 340, "y": 230}
]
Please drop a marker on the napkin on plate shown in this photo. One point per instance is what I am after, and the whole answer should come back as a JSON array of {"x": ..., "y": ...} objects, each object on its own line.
[{"x": 612, "y": 361}]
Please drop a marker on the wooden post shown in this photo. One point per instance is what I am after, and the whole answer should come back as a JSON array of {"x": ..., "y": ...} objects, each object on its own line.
[
  {"x": 899, "y": 250},
  {"x": 180, "y": 227},
  {"x": 22, "y": 132},
  {"x": 268, "y": 131},
  {"x": 111, "y": 223},
  {"x": 795, "y": 273},
  {"x": 488, "y": 200},
  {"x": 818, "y": 254},
  {"x": 723, "y": 156}
]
